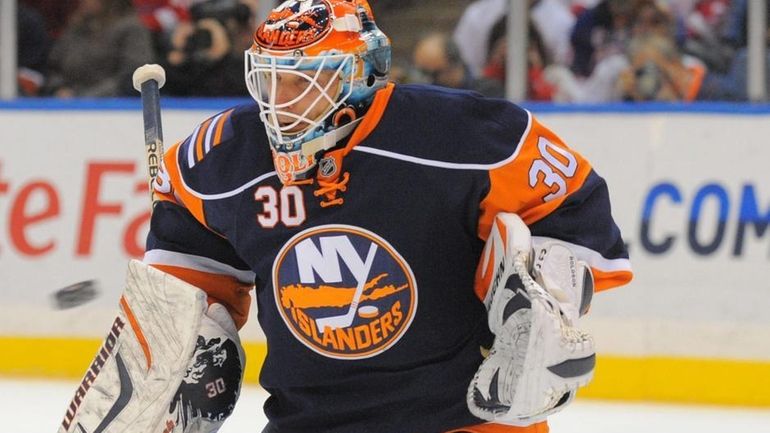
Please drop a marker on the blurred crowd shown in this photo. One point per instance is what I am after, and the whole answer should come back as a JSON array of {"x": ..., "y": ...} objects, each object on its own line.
[
  {"x": 583, "y": 51},
  {"x": 588, "y": 51},
  {"x": 90, "y": 48}
]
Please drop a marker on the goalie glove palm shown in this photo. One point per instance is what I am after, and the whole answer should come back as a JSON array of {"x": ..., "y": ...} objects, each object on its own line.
[{"x": 538, "y": 359}]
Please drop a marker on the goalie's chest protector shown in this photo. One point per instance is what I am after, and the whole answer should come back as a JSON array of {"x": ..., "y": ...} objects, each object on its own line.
[{"x": 370, "y": 303}]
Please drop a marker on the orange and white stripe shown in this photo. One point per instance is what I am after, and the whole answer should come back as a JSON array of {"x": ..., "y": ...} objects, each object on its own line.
[
  {"x": 205, "y": 137},
  {"x": 197, "y": 263},
  {"x": 222, "y": 283}
]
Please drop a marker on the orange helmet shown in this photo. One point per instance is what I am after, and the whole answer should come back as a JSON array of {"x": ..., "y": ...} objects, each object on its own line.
[{"x": 335, "y": 51}]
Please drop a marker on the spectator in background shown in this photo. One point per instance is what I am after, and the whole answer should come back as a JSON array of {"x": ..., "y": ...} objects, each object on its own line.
[
  {"x": 658, "y": 72},
  {"x": 494, "y": 72},
  {"x": 34, "y": 45},
  {"x": 472, "y": 33},
  {"x": 599, "y": 87},
  {"x": 206, "y": 58},
  {"x": 56, "y": 13},
  {"x": 706, "y": 28},
  {"x": 732, "y": 84},
  {"x": 554, "y": 22},
  {"x": 161, "y": 18},
  {"x": 436, "y": 60},
  {"x": 646, "y": 19},
  {"x": 601, "y": 32},
  {"x": 161, "y": 15},
  {"x": 97, "y": 53},
  {"x": 736, "y": 26},
  {"x": 652, "y": 18}
]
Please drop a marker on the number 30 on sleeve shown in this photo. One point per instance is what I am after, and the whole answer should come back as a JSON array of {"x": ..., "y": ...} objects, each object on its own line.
[{"x": 553, "y": 169}]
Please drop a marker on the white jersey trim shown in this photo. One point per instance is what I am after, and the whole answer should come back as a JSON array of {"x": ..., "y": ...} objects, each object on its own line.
[
  {"x": 451, "y": 165},
  {"x": 226, "y": 194},
  {"x": 209, "y": 132},
  {"x": 593, "y": 258},
  {"x": 206, "y": 140},
  {"x": 198, "y": 263},
  {"x": 191, "y": 149}
]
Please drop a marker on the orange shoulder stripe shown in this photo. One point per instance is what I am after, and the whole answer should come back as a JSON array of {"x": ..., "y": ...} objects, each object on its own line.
[
  {"x": 543, "y": 174},
  {"x": 371, "y": 118},
  {"x": 222, "y": 289},
  {"x": 221, "y": 127},
  {"x": 199, "y": 140},
  {"x": 192, "y": 203}
]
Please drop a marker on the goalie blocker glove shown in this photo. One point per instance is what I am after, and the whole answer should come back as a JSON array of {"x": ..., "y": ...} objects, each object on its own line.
[
  {"x": 170, "y": 364},
  {"x": 538, "y": 358}
]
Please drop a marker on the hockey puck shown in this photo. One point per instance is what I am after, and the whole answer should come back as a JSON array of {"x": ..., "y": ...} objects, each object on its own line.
[
  {"x": 368, "y": 311},
  {"x": 75, "y": 294}
]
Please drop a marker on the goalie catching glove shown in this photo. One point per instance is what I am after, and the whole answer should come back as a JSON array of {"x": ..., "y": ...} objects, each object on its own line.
[
  {"x": 538, "y": 358},
  {"x": 171, "y": 363}
]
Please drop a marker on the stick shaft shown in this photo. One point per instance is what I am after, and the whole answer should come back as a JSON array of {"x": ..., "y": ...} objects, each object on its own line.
[{"x": 153, "y": 131}]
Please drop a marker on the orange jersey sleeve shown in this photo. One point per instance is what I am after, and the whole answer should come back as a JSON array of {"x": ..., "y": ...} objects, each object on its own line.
[{"x": 557, "y": 193}]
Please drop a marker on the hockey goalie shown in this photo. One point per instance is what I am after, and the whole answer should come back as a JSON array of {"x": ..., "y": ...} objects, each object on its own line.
[{"x": 390, "y": 230}]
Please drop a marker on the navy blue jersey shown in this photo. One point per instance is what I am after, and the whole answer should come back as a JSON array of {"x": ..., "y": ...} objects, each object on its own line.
[{"x": 366, "y": 277}]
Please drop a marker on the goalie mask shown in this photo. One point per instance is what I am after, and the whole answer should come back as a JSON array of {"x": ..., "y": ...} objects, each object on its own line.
[{"x": 313, "y": 69}]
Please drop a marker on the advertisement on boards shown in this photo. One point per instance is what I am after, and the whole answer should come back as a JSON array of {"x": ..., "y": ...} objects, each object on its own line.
[{"x": 690, "y": 191}]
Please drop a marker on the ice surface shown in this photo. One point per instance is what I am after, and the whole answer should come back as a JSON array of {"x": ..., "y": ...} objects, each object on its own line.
[{"x": 38, "y": 407}]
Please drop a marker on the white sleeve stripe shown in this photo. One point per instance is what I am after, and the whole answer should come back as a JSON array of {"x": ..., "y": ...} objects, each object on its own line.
[
  {"x": 191, "y": 148},
  {"x": 451, "y": 165},
  {"x": 211, "y": 128},
  {"x": 198, "y": 263},
  {"x": 593, "y": 258}
]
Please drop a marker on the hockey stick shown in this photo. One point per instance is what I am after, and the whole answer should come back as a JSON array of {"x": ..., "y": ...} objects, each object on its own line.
[
  {"x": 148, "y": 80},
  {"x": 345, "y": 320}
]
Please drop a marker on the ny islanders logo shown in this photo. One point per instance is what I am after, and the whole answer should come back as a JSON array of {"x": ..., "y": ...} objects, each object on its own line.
[{"x": 343, "y": 291}]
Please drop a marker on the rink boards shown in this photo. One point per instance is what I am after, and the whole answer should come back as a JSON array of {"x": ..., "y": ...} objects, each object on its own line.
[{"x": 690, "y": 190}]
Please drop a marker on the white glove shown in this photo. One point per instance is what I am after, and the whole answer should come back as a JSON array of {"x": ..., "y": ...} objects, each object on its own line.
[
  {"x": 556, "y": 268},
  {"x": 538, "y": 358}
]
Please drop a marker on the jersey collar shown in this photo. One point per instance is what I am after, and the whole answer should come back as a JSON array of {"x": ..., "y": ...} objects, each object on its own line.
[{"x": 372, "y": 117}]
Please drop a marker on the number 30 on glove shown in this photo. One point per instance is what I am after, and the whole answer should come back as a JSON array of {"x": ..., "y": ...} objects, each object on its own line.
[{"x": 538, "y": 358}]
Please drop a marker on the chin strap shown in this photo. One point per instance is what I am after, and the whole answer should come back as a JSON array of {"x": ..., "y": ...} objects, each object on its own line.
[
  {"x": 331, "y": 180},
  {"x": 330, "y": 139}
]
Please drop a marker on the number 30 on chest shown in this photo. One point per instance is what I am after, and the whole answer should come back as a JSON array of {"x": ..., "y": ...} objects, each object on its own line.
[{"x": 286, "y": 206}]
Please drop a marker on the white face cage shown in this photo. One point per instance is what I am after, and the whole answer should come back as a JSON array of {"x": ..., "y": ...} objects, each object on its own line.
[{"x": 262, "y": 79}]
